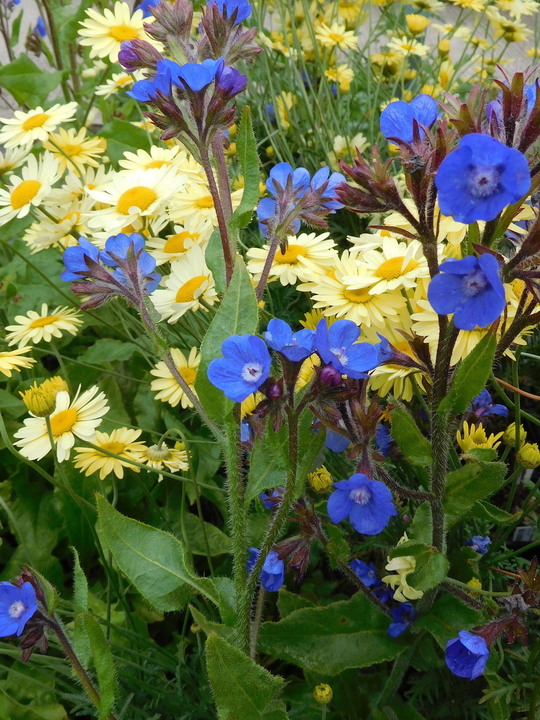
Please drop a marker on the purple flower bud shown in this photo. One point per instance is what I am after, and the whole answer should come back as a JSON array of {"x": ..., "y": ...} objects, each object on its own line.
[
  {"x": 330, "y": 377},
  {"x": 138, "y": 54}
]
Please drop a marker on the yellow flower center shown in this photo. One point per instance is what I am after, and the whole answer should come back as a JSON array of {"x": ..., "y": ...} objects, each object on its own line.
[
  {"x": 35, "y": 121},
  {"x": 177, "y": 243},
  {"x": 74, "y": 217},
  {"x": 124, "y": 80},
  {"x": 189, "y": 374},
  {"x": 123, "y": 32},
  {"x": 204, "y": 203},
  {"x": 336, "y": 37},
  {"x": 63, "y": 421},
  {"x": 140, "y": 197},
  {"x": 360, "y": 295},
  {"x": 42, "y": 321},
  {"x": 191, "y": 290},
  {"x": 157, "y": 164},
  {"x": 392, "y": 269},
  {"x": 72, "y": 150},
  {"x": 24, "y": 193},
  {"x": 114, "y": 447},
  {"x": 291, "y": 255}
]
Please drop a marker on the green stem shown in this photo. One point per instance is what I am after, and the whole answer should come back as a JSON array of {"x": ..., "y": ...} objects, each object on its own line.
[
  {"x": 56, "y": 48},
  {"x": 256, "y": 624},
  {"x": 534, "y": 701},
  {"x": 476, "y": 591},
  {"x": 397, "y": 674}
]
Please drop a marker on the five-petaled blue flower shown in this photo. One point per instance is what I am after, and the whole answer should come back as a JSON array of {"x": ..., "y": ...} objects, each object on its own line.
[
  {"x": 383, "y": 439},
  {"x": 365, "y": 572},
  {"x": 127, "y": 248},
  {"x": 146, "y": 90},
  {"x": 76, "y": 258},
  {"x": 367, "y": 503},
  {"x": 483, "y": 405},
  {"x": 471, "y": 289},
  {"x": 196, "y": 76},
  {"x": 273, "y": 569},
  {"x": 337, "y": 346},
  {"x": 467, "y": 655},
  {"x": 478, "y": 543},
  {"x": 481, "y": 177},
  {"x": 336, "y": 442},
  {"x": 294, "y": 346},
  {"x": 272, "y": 498},
  {"x": 241, "y": 7},
  {"x": 398, "y": 117},
  {"x": 401, "y": 616},
  {"x": 17, "y": 605},
  {"x": 244, "y": 367}
]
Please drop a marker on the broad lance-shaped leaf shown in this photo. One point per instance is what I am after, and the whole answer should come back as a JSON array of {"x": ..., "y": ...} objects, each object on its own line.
[
  {"x": 447, "y": 617},
  {"x": 242, "y": 689},
  {"x": 81, "y": 642},
  {"x": 347, "y": 634},
  {"x": 104, "y": 666},
  {"x": 412, "y": 443},
  {"x": 246, "y": 150},
  {"x": 237, "y": 315},
  {"x": 471, "y": 482},
  {"x": 471, "y": 376},
  {"x": 153, "y": 560}
]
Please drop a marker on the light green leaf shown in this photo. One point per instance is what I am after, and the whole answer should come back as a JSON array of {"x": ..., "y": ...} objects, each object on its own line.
[
  {"x": 242, "y": 689},
  {"x": 471, "y": 376},
  {"x": 288, "y": 602},
  {"x": 208, "y": 626},
  {"x": 486, "y": 511},
  {"x": 106, "y": 350},
  {"x": 215, "y": 261},
  {"x": 121, "y": 136},
  {"x": 11, "y": 404},
  {"x": 470, "y": 483},
  {"x": 431, "y": 570},
  {"x": 268, "y": 462},
  {"x": 27, "y": 83},
  {"x": 81, "y": 642},
  {"x": 447, "y": 617},
  {"x": 104, "y": 666},
  {"x": 237, "y": 315},
  {"x": 347, "y": 634},
  {"x": 421, "y": 526},
  {"x": 246, "y": 149},
  {"x": 412, "y": 443},
  {"x": 218, "y": 542}
]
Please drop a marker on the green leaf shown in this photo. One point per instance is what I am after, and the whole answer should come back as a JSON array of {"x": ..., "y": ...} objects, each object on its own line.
[
  {"x": 81, "y": 642},
  {"x": 310, "y": 444},
  {"x": 242, "y": 689},
  {"x": 483, "y": 454},
  {"x": 11, "y": 405},
  {"x": 153, "y": 560},
  {"x": 412, "y": 443},
  {"x": 15, "y": 30},
  {"x": 268, "y": 463},
  {"x": 288, "y": 602},
  {"x": 214, "y": 259},
  {"x": 106, "y": 350},
  {"x": 237, "y": 315},
  {"x": 347, "y": 634},
  {"x": 121, "y": 136},
  {"x": 27, "y": 83},
  {"x": 104, "y": 666},
  {"x": 486, "y": 511},
  {"x": 208, "y": 626},
  {"x": 471, "y": 376},
  {"x": 421, "y": 526},
  {"x": 218, "y": 542},
  {"x": 447, "y": 617},
  {"x": 430, "y": 571},
  {"x": 470, "y": 483},
  {"x": 246, "y": 149}
]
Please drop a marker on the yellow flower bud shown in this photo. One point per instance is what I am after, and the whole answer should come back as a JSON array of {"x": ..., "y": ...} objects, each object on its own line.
[
  {"x": 416, "y": 23},
  {"x": 475, "y": 584},
  {"x": 444, "y": 48},
  {"x": 528, "y": 456},
  {"x": 509, "y": 436},
  {"x": 320, "y": 480},
  {"x": 231, "y": 150},
  {"x": 409, "y": 74},
  {"x": 40, "y": 400},
  {"x": 233, "y": 130},
  {"x": 323, "y": 693},
  {"x": 270, "y": 152}
]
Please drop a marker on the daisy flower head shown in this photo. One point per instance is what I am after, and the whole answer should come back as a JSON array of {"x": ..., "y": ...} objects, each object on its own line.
[
  {"x": 167, "y": 387},
  {"x": 307, "y": 256},
  {"x": 517, "y": 8},
  {"x": 11, "y": 360},
  {"x": 30, "y": 188},
  {"x": 39, "y": 327},
  {"x": 105, "y": 33},
  {"x": 408, "y": 46},
  {"x": 121, "y": 441},
  {"x": 119, "y": 82},
  {"x": 474, "y": 5},
  {"x": 395, "y": 265},
  {"x": 195, "y": 197},
  {"x": 158, "y": 157},
  {"x": 70, "y": 419},
  {"x": 40, "y": 400},
  {"x": 61, "y": 227},
  {"x": 474, "y": 436},
  {"x": 189, "y": 282},
  {"x": 73, "y": 149},
  {"x": 160, "y": 456},
  {"x": 25, "y": 127},
  {"x": 336, "y": 36},
  {"x": 193, "y": 231},
  {"x": 12, "y": 158},
  {"x": 342, "y": 75}
]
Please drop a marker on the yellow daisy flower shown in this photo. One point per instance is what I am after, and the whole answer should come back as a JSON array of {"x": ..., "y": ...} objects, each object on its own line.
[
  {"x": 158, "y": 157},
  {"x": 474, "y": 5},
  {"x": 416, "y": 24},
  {"x": 508, "y": 30},
  {"x": 336, "y": 35},
  {"x": 342, "y": 75},
  {"x": 312, "y": 318},
  {"x": 195, "y": 197},
  {"x": 517, "y": 8},
  {"x": 474, "y": 436},
  {"x": 61, "y": 227},
  {"x": 122, "y": 442},
  {"x": 13, "y": 360},
  {"x": 29, "y": 189},
  {"x": 284, "y": 103},
  {"x": 166, "y": 387},
  {"x": 190, "y": 282},
  {"x": 306, "y": 256},
  {"x": 248, "y": 405},
  {"x": 408, "y": 46},
  {"x": 403, "y": 566},
  {"x": 194, "y": 231},
  {"x": 119, "y": 82},
  {"x": 25, "y": 127},
  {"x": 12, "y": 158},
  {"x": 104, "y": 34},
  {"x": 78, "y": 418},
  {"x": 75, "y": 150},
  {"x": 350, "y": 10},
  {"x": 160, "y": 456},
  {"x": 37, "y": 327},
  {"x": 40, "y": 400}
]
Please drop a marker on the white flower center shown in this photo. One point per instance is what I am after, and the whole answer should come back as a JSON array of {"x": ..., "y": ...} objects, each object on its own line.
[
  {"x": 252, "y": 372},
  {"x": 483, "y": 180},
  {"x": 474, "y": 284},
  {"x": 16, "y": 609},
  {"x": 361, "y": 495},
  {"x": 340, "y": 354}
]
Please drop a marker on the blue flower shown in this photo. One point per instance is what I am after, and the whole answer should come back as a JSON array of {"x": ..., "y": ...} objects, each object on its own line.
[
  {"x": 124, "y": 247},
  {"x": 271, "y": 499},
  {"x": 196, "y": 76},
  {"x": 383, "y": 439},
  {"x": 335, "y": 441},
  {"x": 471, "y": 289},
  {"x": 241, "y": 7},
  {"x": 273, "y": 570},
  {"x": 337, "y": 346},
  {"x": 294, "y": 346},
  {"x": 398, "y": 117},
  {"x": 478, "y": 543},
  {"x": 367, "y": 503},
  {"x": 366, "y": 572},
  {"x": 230, "y": 82},
  {"x": 145, "y": 6},
  {"x": 329, "y": 194},
  {"x": 17, "y": 605},
  {"x": 76, "y": 258},
  {"x": 244, "y": 367},
  {"x": 481, "y": 177},
  {"x": 467, "y": 655},
  {"x": 483, "y": 405},
  {"x": 40, "y": 28},
  {"x": 246, "y": 432},
  {"x": 402, "y": 616}
]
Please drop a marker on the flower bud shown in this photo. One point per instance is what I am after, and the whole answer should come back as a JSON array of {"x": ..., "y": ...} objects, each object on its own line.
[
  {"x": 323, "y": 694},
  {"x": 138, "y": 54},
  {"x": 444, "y": 48},
  {"x": 416, "y": 24},
  {"x": 329, "y": 376},
  {"x": 528, "y": 456},
  {"x": 509, "y": 437},
  {"x": 40, "y": 400},
  {"x": 320, "y": 480}
]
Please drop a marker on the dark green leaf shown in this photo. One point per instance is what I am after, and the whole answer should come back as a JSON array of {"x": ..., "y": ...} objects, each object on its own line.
[
  {"x": 421, "y": 526},
  {"x": 218, "y": 542},
  {"x": 15, "y": 30},
  {"x": 268, "y": 463},
  {"x": 486, "y": 511},
  {"x": 107, "y": 350},
  {"x": 447, "y": 617},
  {"x": 288, "y": 602},
  {"x": 81, "y": 642},
  {"x": 103, "y": 665},
  {"x": 414, "y": 446},
  {"x": 27, "y": 83},
  {"x": 246, "y": 148},
  {"x": 430, "y": 571},
  {"x": 11, "y": 404},
  {"x": 471, "y": 482},
  {"x": 215, "y": 261},
  {"x": 121, "y": 136},
  {"x": 208, "y": 626},
  {"x": 471, "y": 376}
]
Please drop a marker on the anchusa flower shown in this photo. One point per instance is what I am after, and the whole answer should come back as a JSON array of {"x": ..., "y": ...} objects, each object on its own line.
[
  {"x": 383, "y": 440},
  {"x": 467, "y": 655},
  {"x": 222, "y": 32},
  {"x": 244, "y": 367},
  {"x": 367, "y": 503},
  {"x": 402, "y": 615},
  {"x": 470, "y": 288},
  {"x": 365, "y": 572},
  {"x": 483, "y": 405},
  {"x": 273, "y": 569},
  {"x": 336, "y": 442},
  {"x": 478, "y": 543},
  {"x": 17, "y": 605},
  {"x": 337, "y": 346},
  {"x": 398, "y": 118},
  {"x": 235, "y": 10},
  {"x": 480, "y": 178},
  {"x": 272, "y": 498},
  {"x": 138, "y": 54},
  {"x": 294, "y": 346}
]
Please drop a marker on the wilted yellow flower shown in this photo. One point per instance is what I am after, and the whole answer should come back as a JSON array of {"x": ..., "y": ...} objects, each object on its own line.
[
  {"x": 320, "y": 480},
  {"x": 323, "y": 693},
  {"x": 342, "y": 75},
  {"x": 528, "y": 456}
]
